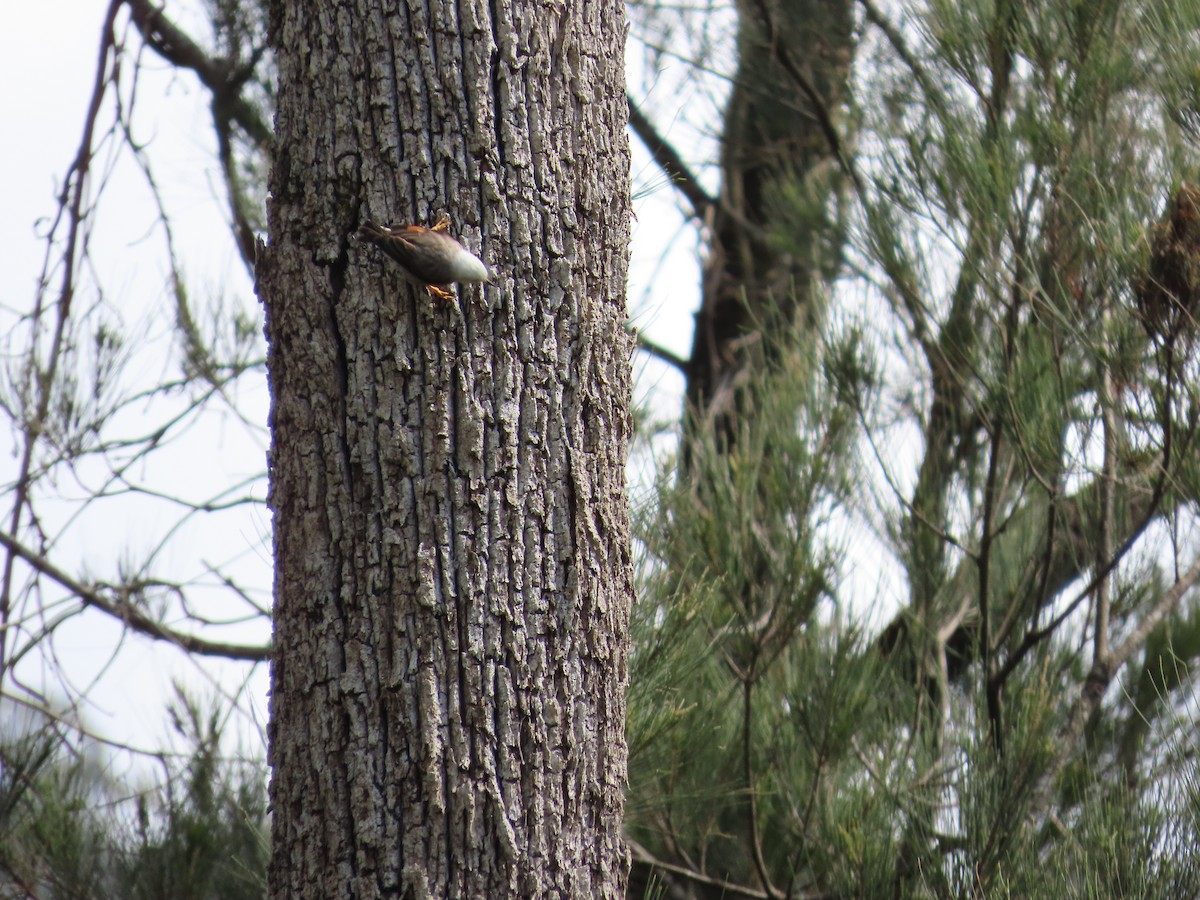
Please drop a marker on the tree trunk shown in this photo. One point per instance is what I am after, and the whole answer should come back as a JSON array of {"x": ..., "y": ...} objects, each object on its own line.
[
  {"x": 453, "y": 572},
  {"x": 772, "y": 237}
]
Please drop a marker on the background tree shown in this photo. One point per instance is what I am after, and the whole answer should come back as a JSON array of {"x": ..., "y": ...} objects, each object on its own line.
[
  {"x": 775, "y": 230},
  {"x": 452, "y": 554},
  {"x": 1005, "y": 206}
]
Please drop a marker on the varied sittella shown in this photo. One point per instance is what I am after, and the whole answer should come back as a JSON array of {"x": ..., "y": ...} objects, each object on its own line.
[{"x": 430, "y": 256}]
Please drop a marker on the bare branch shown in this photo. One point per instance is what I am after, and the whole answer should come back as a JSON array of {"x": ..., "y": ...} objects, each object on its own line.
[
  {"x": 129, "y": 614},
  {"x": 225, "y": 79},
  {"x": 642, "y": 855},
  {"x": 221, "y": 76},
  {"x": 657, "y": 351},
  {"x": 670, "y": 162}
]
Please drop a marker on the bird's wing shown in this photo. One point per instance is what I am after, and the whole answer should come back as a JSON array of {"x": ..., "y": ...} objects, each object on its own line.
[{"x": 395, "y": 241}]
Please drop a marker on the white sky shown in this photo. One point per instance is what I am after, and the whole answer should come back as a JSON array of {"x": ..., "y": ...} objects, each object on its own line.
[{"x": 48, "y": 58}]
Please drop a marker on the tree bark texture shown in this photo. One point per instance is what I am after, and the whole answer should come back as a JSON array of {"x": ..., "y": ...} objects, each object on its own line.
[
  {"x": 451, "y": 539},
  {"x": 769, "y": 245}
]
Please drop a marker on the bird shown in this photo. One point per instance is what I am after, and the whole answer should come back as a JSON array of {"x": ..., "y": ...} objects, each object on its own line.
[{"x": 429, "y": 256}]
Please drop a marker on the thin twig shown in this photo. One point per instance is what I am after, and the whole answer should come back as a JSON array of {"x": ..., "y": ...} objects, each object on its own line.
[
  {"x": 818, "y": 105},
  {"x": 1108, "y": 487},
  {"x": 70, "y": 203},
  {"x": 760, "y": 863}
]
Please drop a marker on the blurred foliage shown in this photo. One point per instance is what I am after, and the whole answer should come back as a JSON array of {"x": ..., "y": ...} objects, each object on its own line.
[
  {"x": 878, "y": 627},
  {"x": 71, "y": 829}
]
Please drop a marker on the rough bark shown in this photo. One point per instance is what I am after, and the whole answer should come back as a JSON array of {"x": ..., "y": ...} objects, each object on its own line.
[{"x": 453, "y": 570}]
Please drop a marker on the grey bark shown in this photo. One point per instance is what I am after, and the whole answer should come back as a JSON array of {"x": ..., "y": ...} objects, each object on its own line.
[{"x": 453, "y": 566}]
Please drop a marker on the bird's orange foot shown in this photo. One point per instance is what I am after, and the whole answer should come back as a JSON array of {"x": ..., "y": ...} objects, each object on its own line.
[{"x": 442, "y": 293}]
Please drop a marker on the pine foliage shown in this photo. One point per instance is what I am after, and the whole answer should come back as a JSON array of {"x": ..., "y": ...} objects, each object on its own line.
[
  {"x": 70, "y": 829},
  {"x": 1012, "y": 412}
]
